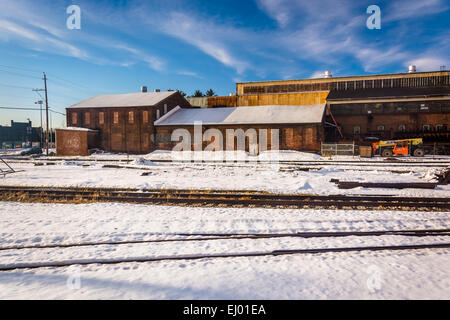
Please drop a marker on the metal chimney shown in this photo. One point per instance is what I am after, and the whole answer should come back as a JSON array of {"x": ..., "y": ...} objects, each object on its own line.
[
  {"x": 328, "y": 74},
  {"x": 412, "y": 69},
  {"x": 157, "y": 90},
  {"x": 143, "y": 89}
]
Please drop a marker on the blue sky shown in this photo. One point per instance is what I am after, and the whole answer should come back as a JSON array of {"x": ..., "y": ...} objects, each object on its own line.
[{"x": 193, "y": 44}]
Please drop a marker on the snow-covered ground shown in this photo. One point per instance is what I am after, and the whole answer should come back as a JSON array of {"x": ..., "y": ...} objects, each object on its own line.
[
  {"x": 273, "y": 178},
  {"x": 411, "y": 274}
]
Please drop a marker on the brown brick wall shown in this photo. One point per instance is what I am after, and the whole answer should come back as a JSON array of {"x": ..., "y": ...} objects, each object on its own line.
[
  {"x": 293, "y": 137},
  {"x": 75, "y": 143},
  {"x": 391, "y": 122},
  {"x": 125, "y": 136}
]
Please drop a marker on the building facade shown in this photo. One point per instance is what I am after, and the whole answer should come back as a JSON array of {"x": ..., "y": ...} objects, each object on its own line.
[
  {"x": 124, "y": 122},
  {"x": 19, "y": 134},
  {"x": 245, "y": 129}
]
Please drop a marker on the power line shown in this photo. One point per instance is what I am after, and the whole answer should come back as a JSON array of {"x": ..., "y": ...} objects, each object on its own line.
[
  {"x": 15, "y": 108},
  {"x": 14, "y": 86},
  {"x": 71, "y": 82},
  {"x": 30, "y": 109},
  {"x": 20, "y": 74},
  {"x": 19, "y": 68}
]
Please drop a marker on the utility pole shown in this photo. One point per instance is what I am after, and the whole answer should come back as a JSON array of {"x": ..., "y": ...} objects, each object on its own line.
[
  {"x": 40, "y": 102},
  {"x": 46, "y": 111}
]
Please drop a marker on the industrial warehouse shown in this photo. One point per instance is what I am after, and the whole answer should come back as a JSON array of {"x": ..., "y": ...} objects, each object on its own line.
[{"x": 306, "y": 113}]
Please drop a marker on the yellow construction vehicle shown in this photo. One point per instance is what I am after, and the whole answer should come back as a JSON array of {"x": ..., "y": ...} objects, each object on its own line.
[{"x": 412, "y": 147}]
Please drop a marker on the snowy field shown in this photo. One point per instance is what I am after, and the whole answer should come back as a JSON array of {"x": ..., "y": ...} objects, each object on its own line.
[
  {"x": 282, "y": 178},
  {"x": 410, "y": 274}
]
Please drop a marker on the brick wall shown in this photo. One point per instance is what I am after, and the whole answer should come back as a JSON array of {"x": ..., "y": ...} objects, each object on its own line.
[{"x": 291, "y": 137}]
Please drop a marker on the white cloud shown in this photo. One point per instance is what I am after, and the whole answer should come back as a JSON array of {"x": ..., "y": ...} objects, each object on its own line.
[
  {"x": 317, "y": 74},
  {"x": 401, "y": 10},
  {"x": 277, "y": 10},
  {"x": 189, "y": 74},
  {"x": 426, "y": 63},
  {"x": 212, "y": 39}
]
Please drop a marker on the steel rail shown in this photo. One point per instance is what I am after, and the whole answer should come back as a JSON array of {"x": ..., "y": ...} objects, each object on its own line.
[
  {"x": 239, "y": 236},
  {"x": 194, "y": 197},
  {"x": 62, "y": 264}
]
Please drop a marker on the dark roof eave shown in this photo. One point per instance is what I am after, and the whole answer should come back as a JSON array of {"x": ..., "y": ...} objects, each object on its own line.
[{"x": 390, "y": 97}]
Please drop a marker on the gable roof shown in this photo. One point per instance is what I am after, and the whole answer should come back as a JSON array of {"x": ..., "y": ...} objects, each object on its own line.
[
  {"x": 245, "y": 115},
  {"x": 141, "y": 99},
  {"x": 381, "y": 93}
]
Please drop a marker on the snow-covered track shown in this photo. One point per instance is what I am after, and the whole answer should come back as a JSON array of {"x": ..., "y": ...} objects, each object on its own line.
[
  {"x": 218, "y": 198},
  {"x": 105, "y": 261},
  {"x": 191, "y": 237}
]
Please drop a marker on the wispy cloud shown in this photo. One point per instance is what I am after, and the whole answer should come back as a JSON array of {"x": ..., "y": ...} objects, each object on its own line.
[
  {"x": 21, "y": 22},
  {"x": 209, "y": 37},
  {"x": 401, "y": 10}
]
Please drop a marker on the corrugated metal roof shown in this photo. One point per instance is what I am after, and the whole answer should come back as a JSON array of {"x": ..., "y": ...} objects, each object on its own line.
[
  {"x": 380, "y": 93},
  {"x": 141, "y": 99},
  {"x": 245, "y": 115}
]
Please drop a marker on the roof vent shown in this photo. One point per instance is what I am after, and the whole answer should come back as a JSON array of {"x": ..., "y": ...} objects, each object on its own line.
[
  {"x": 157, "y": 90},
  {"x": 143, "y": 89},
  {"x": 328, "y": 74},
  {"x": 412, "y": 69}
]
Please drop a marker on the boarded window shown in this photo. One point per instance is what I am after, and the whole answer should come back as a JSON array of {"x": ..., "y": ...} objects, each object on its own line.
[
  {"x": 131, "y": 117},
  {"x": 309, "y": 139},
  {"x": 116, "y": 117},
  {"x": 357, "y": 130},
  {"x": 101, "y": 118},
  {"x": 74, "y": 118},
  {"x": 380, "y": 128},
  {"x": 402, "y": 128},
  {"x": 145, "y": 116},
  {"x": 87, "y": 118}
]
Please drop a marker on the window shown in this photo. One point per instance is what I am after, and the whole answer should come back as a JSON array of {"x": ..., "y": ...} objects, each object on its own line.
[
  {"x": 426, "y": 127},
  {"x": 165, "y": 108},
  {"x": 145, "y": 116},
  {"x": 357, "y": 130},
  {"x": 116, "y": 117},
  {"x": 402, "y": 128},
  {"x": 380, "y": 128},
  {"x": 131, "y": 117},
  {"x": 74, "y": 118},
  {"x": 101, "y": 118},
  {"x": 87, "y": 118},
  {"x": 308, "y": 138},
  {"x": 158, "y": 114},
  {"x": 439, "y": 127}
]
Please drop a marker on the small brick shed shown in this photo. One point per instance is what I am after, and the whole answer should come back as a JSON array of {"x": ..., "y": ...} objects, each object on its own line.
[{"x": 76, "y": 141}]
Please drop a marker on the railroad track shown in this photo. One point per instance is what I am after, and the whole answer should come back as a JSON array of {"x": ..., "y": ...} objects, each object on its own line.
[
  {"x": 187, "y": 257},
  {"x": 218, "y": 198},
  {"x": 381, "y": 163},
  {"x": 191, "y": 237}
]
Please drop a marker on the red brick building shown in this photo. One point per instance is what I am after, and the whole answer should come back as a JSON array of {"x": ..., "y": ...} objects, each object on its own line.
[
  {"x": 391, "y": 113},
  {"x": 124, "y": 121},
  {"x": 294, "y": 127}
]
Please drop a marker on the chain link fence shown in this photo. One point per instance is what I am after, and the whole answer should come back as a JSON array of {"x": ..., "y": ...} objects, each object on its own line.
[{"x": 338, "y": 149}]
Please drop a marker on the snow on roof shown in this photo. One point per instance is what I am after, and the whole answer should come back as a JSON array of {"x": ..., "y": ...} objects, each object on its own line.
[
  {"x": 245, "y": 115},
  {"x": 77, "y": 129},
  {"x": 141, "y": 99}
]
